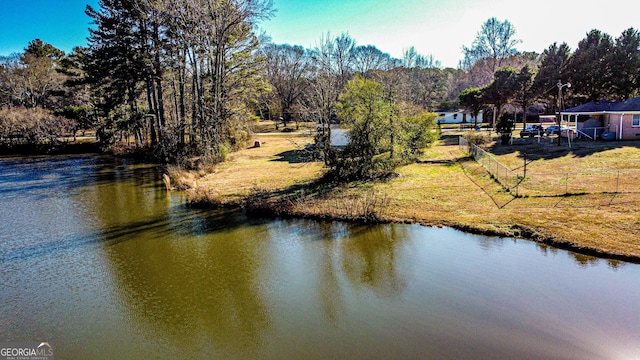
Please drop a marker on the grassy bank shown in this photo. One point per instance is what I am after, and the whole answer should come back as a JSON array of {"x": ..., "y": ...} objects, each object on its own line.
[{"x": 448, "y": 189}]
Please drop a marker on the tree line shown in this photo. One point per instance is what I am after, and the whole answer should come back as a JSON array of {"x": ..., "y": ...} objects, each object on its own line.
[
  {"x": 187, "y": 78},
  {"x": 601, "y": 68}
]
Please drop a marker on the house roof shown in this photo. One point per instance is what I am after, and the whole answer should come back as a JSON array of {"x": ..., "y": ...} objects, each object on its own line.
[{"x": 631, "y": 105}]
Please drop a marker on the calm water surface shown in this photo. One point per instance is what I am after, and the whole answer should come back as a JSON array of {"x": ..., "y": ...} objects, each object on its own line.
[{"x": 98, "y": 260}]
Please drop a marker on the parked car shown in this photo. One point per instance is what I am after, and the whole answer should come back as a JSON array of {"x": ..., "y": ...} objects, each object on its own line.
[
  {"x": 532, "y": 130},
  {"x": 553, "y": 130}
]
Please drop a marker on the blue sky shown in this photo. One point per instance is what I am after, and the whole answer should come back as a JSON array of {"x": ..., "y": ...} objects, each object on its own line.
[
  {"x": 442, "y": 27},
  {"x": 437, "y": 27},
  {"x": 62, "y": 23}
]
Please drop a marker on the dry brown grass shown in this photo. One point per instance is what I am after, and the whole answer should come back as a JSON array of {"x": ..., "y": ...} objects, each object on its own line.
[
  {"x": 601, "y": 180},
  {"x": 450, "y": 190},
  {"x": 278, "y": 164},
  {"x": 177, "y": 178}
]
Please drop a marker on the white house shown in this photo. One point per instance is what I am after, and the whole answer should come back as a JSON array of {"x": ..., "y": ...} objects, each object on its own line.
[{"x": 457, "y": 117}]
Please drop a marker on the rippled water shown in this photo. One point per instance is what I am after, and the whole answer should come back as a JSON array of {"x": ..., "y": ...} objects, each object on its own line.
[{"x": 99, "y": 261}]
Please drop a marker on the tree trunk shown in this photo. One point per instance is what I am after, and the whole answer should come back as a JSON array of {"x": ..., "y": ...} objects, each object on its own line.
[
  {"x": 181, "y": 94},
  {"x": 493, "y": 117},
  {"x": 155, "y": 112},
  {"x": 393, "y": 138},
  {"x": 158, "y": 75}
]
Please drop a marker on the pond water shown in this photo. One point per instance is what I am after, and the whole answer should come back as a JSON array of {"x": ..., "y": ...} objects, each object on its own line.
[{"x": 97, "y": 259}]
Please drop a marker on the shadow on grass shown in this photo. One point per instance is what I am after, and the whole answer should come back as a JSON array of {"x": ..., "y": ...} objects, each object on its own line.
[
  {"x": 449, "y": 139},
  {"x": 480, "y": 177},
  {"x": 300, "y": 200},
  {"x": 545, "y": 149},
  {"x": 295, "y": 156}
]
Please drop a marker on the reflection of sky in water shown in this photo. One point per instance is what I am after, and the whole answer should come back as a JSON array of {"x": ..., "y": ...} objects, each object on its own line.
[{"x": 102, "y": 263}]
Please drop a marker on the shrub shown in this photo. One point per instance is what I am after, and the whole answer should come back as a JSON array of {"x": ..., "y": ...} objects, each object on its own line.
[
  {"x": 505, "y": 127},
  {"x": 477, "y": 138},
  {"x": 32, "y": 126}
]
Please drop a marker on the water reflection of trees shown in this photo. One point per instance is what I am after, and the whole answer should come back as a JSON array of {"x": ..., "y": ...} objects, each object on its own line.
[
  {"x": 490, "y": 243},
  {"x": 582, "y": 260},
  {"x": 355, "y": 257},
  {"x": 370, "y": 257},
  {"x": 203, "y": 291},
  {"x": 330, "y": 291},
  {"x": 193, "y": 278}
]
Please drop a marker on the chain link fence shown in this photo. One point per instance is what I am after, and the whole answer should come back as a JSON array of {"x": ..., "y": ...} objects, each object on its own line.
[
  {"x": 577, "y": 183},
  {"x": 552, "y": 183},
  {"x": 504, "y": 175}
]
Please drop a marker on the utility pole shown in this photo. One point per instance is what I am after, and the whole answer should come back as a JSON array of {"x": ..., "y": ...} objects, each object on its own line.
[{"x": 558, "y": 117}]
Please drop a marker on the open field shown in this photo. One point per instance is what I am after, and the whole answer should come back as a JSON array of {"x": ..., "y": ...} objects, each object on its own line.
[
  {"x": 446, "y": 188},
  {"x": 279, "y": 163}
]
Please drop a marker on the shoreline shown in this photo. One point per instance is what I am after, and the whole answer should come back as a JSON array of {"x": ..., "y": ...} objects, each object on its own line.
[
  {"x": 445, "y": 188},
  {"x": 518, "y": 232}
]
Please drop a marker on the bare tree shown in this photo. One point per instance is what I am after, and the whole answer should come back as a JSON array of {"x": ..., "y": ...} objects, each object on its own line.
[
  {"x": 368, "y": 57},
  {"x": 495, "y": 42},
  {"x": 411, "y": 58},
  {"x": 288, "y": 69},
  {"x": 32, "y": 79},
  {"x": 332, "y": 68}
]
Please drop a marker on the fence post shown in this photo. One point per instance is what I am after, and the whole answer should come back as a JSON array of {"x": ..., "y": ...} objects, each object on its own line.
[{"x": 566, "y": 185}]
